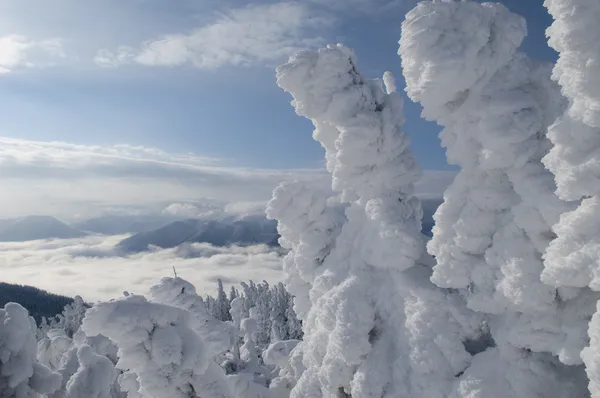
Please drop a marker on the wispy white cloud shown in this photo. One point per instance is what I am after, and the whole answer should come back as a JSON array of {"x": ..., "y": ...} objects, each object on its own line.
[
  {"x": 259, "y": 33},
  {"x": 69, "y": 180},
  {"x": 65, "y": 179},
  {"x": 18, "y": 51},
  {"x": 88, "y": 266}
]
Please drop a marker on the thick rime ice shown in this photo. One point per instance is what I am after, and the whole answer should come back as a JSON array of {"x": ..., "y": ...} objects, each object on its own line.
[
  {"x": 365, "y": 331},
  {"x": 572, "y": 261},
  {"x": 95, "y": 376},
  {"x": 461, "y": 62},
  {"x": 278, "y": 353},
  {"x": 509, "y": 372},
  {"x": 289, "y": 373},
  {"x": 156, "y": 342},
  {"x": 180, "y": 293},
  {"x": 308, "y": 226},
  {"x": 21, "y": 375},
  {"x": 574, "y": 257},
  {"x": 591, "y": 355}
]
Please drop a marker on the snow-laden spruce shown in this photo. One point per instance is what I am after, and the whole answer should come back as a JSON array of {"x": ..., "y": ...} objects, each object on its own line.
[
  {"x": 308, "y": 226},
  {"x": 574, "y": 257},
  {"x": 371, "y": 329},
  {"x": 157, "y": 342},
  {"x": 21, "y": 375},
  {"x": 177, "y": 292},
  {"x": 461, "y": 63},
  {"x": 572, "y": 261},
  {"x": 95, "y": 376}
]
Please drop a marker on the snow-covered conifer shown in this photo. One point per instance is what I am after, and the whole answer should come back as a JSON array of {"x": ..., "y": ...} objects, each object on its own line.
[
  {"x": 222, "y": 303},
  {"x": 461, "y": 63},
  {"x": 279, "y": 305},
  {"x": 69, "y": 320},
  {"x": 156, "y": 342},
  {"x": 308, "y": 226},
  {"x": 287, "y": 357},
  {"x": 95, "y": 376},
  {"x": 51, "y": 349},
  {"x": 357, "y": 340},
  {"x": 21, "y": 375},
  {"x": 180, "y": 293},
  {"x": 572, "y": 259}
]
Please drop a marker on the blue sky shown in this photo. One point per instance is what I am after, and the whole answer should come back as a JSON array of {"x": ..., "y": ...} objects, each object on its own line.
[{"x": 191, "y": 76}]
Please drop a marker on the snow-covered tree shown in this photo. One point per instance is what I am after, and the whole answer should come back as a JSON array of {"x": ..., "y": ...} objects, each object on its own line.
[
  {"x": 358, "y": 338},
  {"x": 572, "y": 259},
  {"x": 236, "y": 311},
  {"x": 279, "y": 305},
  {"x": 69, "y": 320},
  {"x": 21, "y": 375},
  {"x": 95, "y": 376},
  {"x": 287, "y": 357},
  {"x": 52, "y": 347},
  {"x": 158, "y": 343},
  {"x": 461, "y": 63},
  {"x": 180, "y": 293},
  {"x": 221, "y": 307},
  {"x": 308, "y": 226}
]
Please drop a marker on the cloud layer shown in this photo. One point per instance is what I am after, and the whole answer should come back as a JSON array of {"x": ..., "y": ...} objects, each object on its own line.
[
  {"x": 18, "y": 51},
  {"x": 88, "y": 266},
  {"x": 62, "y": 179},
  {"x": 70, "y": 181},
  {"x": 259, "y": 33}
]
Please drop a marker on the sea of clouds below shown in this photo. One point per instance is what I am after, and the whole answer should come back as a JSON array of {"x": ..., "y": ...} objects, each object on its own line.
[{"x": 89, "y": 267}]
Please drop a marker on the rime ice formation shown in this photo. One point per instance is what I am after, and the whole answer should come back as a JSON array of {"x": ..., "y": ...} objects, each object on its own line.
[
  {"x": 21, "y": 375},
  {"x": 572, "y": 261},
  {"x": 461, "y": 64},
  {"x": 368, "y": 301},
  {"x": 308, "y": 226},
  {"x": 460, "y": 61},
  {"x": 180, "y": 293},
  {"x": 156, "y": 342}
]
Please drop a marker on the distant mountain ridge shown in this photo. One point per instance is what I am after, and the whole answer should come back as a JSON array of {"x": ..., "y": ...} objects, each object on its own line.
[
  {"x": 122, "y": 224},
  {"x": 36, "y": 227},
  {"x": 225, "y": 232},
  {"x": 164, "y": 231}
]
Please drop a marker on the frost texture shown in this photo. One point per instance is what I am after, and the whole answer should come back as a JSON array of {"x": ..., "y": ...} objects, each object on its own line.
[
  {"x": 308, "y": 226},
  {"x": 364, "y": 332},
  {"x": 95, "y": 376},
  {"x": 156, "y": 342},
  {"x": 461, "y": 63},
  {"x": 180, "y": 293},
  {"x": 572, "y": 259},
  {"x": 21, "y": 376}
]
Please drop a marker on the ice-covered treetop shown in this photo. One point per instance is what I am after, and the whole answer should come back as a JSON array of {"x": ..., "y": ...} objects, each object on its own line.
[
  {"x": 356, "y": 121},
  {"x": 459, "y": 45},
  {"x": 574, "y": 159}
]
